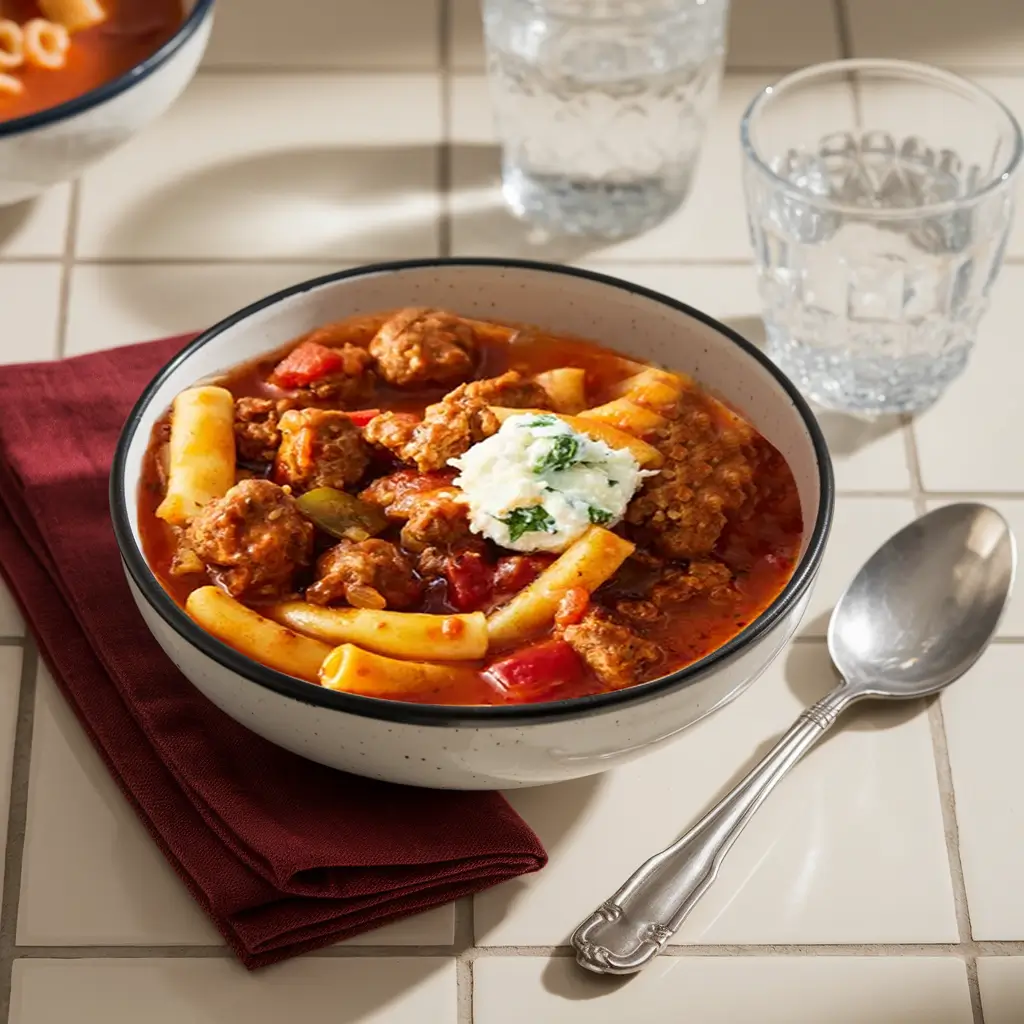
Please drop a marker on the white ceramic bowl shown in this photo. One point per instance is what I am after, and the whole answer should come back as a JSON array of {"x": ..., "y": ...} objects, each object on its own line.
[
  {"x": 57, "y": 144},
  {"x": 484, "y": 747}
]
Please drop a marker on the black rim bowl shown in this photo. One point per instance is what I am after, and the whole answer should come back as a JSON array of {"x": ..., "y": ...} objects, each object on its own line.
[
  {"x": 458, "y": 715},
  {"x": 116, "y": 86}
]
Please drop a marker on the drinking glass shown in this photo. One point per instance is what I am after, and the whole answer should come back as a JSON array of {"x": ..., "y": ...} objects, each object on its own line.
[
  {"x": 601, "y": 106},
  {"x": 879, "y": 199}
]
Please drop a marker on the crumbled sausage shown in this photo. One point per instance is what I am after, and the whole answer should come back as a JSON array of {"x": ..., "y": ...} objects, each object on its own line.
[
  {"x": 437, "y": 520},
  {"x": 397, "y": 493},
  {"x": 707, "y": 474},
  {"x": 424, "y": 346},
  {"x": 319, "y": 448},
  {"x": 355, "y": 572},
  {"x": 257, "y": 435},
  {"x": 252, "y": 540},
  {"x": 350, "y": 384},
  {"x": 676, "y": 585},
  {"x": 459, "y": 420},
  {"x": 615, "y": 654}
]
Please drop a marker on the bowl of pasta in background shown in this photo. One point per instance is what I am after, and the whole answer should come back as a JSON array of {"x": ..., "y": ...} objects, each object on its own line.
[
  {"x": 58, "y": 116},
  {"x": 482, "y": 746}
]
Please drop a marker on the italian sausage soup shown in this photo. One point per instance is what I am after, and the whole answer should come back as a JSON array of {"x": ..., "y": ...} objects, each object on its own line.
[
  {"x": 52, "y": 51},
  {"x": 424, "y": 507}
]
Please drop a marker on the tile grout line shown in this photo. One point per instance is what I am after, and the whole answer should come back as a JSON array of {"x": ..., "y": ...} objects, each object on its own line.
[
  {"x": 16, "y": 822},
  {"x": 67, "y": 267},
  {"x": 944, "y": 771}
]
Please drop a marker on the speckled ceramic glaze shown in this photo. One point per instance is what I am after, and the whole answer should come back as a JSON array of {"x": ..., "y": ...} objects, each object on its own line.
[
  {"x": 477, "y": 747},
  {"x": 57, "y": 144}
]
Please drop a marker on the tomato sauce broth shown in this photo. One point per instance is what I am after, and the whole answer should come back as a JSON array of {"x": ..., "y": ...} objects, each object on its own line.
[
  {"x": 133, "y": 31},
  {"x": 761, "y": 546}
]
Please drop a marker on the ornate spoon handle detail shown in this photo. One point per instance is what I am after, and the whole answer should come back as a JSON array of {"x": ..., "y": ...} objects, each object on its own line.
[{"x": 629, "y": 930}]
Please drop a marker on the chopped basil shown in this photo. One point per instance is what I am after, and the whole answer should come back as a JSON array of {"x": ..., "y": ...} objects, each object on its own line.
[
  {"x": 541, "y": 421},
  {"x": 533, "y": 519},
  {"x": 599, "y": 516},
  {"x": 561, "y": 455}
]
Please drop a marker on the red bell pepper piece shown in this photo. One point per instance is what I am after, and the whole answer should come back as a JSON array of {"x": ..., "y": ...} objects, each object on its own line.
[
  {"x": 537, "y": 672},
  {"x": 470, "y": 581},
  {"x": 305, "y": 364},
  {"x": 360, "y": 417}
]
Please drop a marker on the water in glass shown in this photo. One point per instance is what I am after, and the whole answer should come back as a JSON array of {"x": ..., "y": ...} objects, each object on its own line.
[{"x": 601, "y": 106}]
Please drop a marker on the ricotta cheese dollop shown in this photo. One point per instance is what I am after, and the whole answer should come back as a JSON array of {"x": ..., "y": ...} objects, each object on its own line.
[{"x": 537, "y": 484}]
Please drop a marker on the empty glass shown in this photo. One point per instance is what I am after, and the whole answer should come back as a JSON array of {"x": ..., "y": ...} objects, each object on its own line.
[
  {"x": 601, "y": 105},
  {"x": 879, "y": 199}
]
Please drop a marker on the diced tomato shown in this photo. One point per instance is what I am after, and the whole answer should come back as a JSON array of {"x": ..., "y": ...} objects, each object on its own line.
[
  {"x": 537, "y": 672},
  {"x": 572, "y": 607},
  {"x": 305, "y": 364},
  {"x": 470, "y": 581},
  {"x": 514, "y": 572},
  {"x": 360, "y": 417}
]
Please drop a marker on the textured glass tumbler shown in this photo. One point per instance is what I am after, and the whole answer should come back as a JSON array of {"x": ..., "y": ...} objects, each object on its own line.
[
  {"x": 600, "y": 106},
  {"x": 879, "y": 198}
]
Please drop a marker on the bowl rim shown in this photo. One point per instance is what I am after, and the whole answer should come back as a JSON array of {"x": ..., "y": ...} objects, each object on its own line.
[
  {"x": 108, "y": 90},
  {"x": 457, "y": 716}
]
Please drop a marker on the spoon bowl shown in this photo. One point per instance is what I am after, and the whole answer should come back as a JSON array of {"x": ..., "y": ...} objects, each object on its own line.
[{"x": 924, "y": 606}]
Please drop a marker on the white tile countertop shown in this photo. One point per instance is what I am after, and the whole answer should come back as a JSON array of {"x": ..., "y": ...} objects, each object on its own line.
[{"x": 881, "y": 882}]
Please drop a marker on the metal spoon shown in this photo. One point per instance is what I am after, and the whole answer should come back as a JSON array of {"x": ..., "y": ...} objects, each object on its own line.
[{"x": 918, "y": 614}]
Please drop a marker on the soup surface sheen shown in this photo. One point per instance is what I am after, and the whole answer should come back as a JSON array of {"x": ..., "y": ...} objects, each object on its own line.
[
  {"x": 332, "y": 502},
  {"x": 133, "y": 31}
]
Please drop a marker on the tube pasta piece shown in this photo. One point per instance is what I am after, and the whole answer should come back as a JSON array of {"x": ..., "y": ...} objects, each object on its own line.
[
  {"x": 12, "y": 45},
  {"x": 586, "y": 564},
  {"x": 74, "y": 15},
  {"x": 255, "y": 636},
  {"x": 10, "y": 86},
  {"x": 46, "y": 44},
  {"x": 626, "y": 415},
  {"x": 202, "y": 452},
  {"x": 353, "y": 670},
  {"x": 646, "y": 455},
  {"x": 400, "y": 634},
  {"x": 566, "y": 387},
  {"x": 654, "y": 388}
]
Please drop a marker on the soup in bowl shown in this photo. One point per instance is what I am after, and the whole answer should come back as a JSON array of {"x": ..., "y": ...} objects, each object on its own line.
[
  {"x": 471, "y": 523},
  {"x": 80, "y": 77}
]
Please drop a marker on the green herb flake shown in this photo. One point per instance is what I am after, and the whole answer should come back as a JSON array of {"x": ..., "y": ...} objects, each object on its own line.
[
  {"x": 533, "y": 519},
  {"x": 561, "y": 455},
  {"x": 599, "y": 516},
  {"x": 540, "y": 421}
]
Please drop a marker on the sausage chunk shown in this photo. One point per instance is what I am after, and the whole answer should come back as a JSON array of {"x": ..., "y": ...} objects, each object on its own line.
[
  {"x": 459, "y": 420},
  {"x": 437, "y": 520},
  {"x": 257, "y": 435},
  {"x": 367, "y": 574},
  {"x": 424, "y": 346},
  {"x": 677, "y": 585},
  {"x": 707, "y": 474},
  {"x": 398, "y": 493},
  {"x": 319, "y": 448},
  {"x": 252, "y": 540},
  {"x": 615, "y": 654}
]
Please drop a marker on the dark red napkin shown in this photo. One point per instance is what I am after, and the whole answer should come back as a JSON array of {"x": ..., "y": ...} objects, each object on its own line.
[{"x": 283, "y": 854}]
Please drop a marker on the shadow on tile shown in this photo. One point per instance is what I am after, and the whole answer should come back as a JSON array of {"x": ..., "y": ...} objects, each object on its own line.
[
  {"x": 847, "y": 434},
  {"x": 481, "y": 224},
  {"x": 362, "y": 202},
  {"x": 13, "y": 218}
]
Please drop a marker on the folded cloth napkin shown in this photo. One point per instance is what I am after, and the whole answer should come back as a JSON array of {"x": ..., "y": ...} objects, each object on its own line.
[{"x": 283, "y": 854}]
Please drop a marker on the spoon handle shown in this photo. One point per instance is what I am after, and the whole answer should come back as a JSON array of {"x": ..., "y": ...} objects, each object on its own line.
[{"x": 629, "y": 930}]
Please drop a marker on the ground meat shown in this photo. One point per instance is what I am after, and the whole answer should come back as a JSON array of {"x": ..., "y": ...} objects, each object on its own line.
[
  {"x": 424, "y": 346},
  {"x": 397, "y": 493},
  {"x": 368, "y": 574},
  {"x": 319, "y": 448},
  {"x": 707, "y": 473},
  {"x": 677, "y": 585},
  {"x": 351, "y": 384},
  {"x": 459, "y": 420},
  {"x": 437, "y": 520},
  {"x": 252, "y": 540},
  {"x": 256, "y": 429},
  {"x": 511, "y": 390},
  {"x": 615, "y": 654}
]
